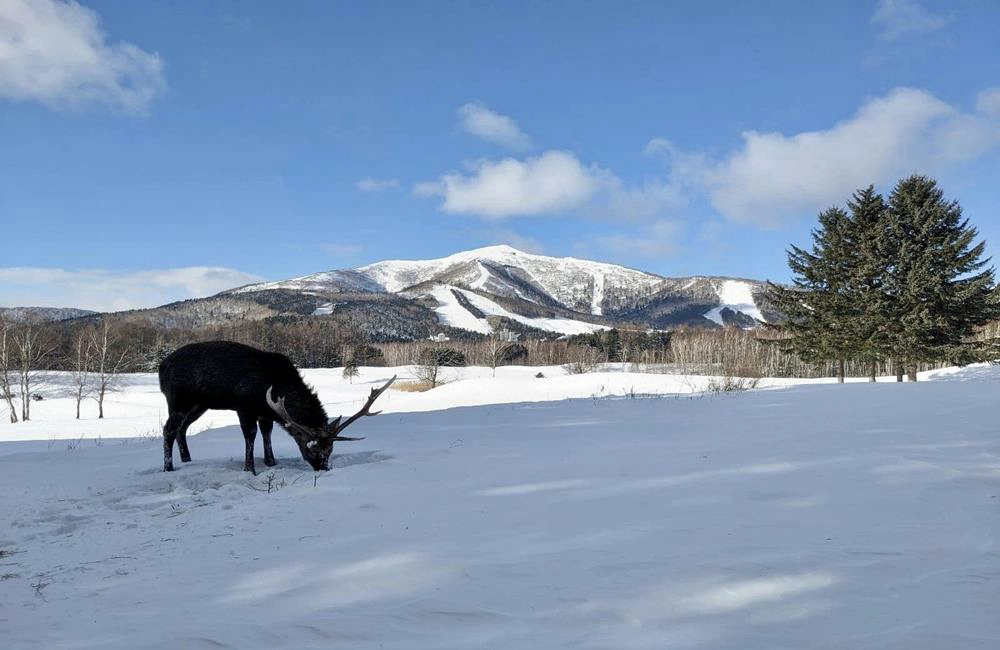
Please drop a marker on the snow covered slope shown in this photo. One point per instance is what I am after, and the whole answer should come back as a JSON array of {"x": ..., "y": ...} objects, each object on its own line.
[
  {"x": 569, "y": 282},
  {"x": 813, "y": 516},
  {"x": 346, "y": 280},
  {"x": 452, "y": 312},
  {"x": 737, "y": 296}
]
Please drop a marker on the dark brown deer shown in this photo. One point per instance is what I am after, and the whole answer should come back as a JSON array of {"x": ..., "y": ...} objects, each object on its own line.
[{"x": 262, "y": 387}]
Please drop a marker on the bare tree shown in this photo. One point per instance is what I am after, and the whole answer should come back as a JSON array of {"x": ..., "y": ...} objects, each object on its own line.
[
  {"x": 79, "y": 361},
  {"x": 629, "y": 343},
  {"x": 109, "y": 358},
  {"x": 31, "y": 350},
  {"x": 498, "y": 345},
  {"x": 7, "y": 366},
  {"x": 428, "y": 367}
]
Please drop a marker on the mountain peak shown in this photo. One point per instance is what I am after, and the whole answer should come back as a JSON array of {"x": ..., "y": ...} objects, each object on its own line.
[{"x": 496, "y": 249}]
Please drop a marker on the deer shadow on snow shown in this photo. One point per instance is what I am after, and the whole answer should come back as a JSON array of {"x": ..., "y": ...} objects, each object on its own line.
[{"x": 292, "y": 463}]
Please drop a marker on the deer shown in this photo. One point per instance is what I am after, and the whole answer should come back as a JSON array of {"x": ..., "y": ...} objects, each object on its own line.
[{"x": 262, "y": 387}]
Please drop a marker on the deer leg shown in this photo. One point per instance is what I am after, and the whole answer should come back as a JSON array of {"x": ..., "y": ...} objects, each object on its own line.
[
  {"x": 169, "y": 435},
  {"x": 249, "y": 425},
  {"x": 265, "y": 433},
  {"x": 189, "y": 419}
]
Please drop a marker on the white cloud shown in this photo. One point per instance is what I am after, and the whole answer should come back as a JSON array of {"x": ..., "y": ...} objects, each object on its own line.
[
  {"x": 377, "y": 184},
  {"x": 103, "y": 290},
  {"x": 553, "y": 182},
  {"x": 658, "y": 239},
  {"x": 988, "y": 102},
  {"x": 899, "y": 18},
  {"x": 55, "y": 52},
  {"x": 480, "y": 121},
  {"x": 659, "y": 146},
  {"x": 774, "y": 176}
]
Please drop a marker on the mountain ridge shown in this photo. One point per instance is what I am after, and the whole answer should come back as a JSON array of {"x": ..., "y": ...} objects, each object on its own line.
[
  {"x": 591, "y": 291},
  {"x": 472, "y": 292}
]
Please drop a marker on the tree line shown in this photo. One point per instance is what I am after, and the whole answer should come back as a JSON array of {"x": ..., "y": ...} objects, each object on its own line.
[{"x": 901, "y": 280}]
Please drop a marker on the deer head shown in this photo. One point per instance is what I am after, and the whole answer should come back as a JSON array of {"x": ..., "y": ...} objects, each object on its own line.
[{"x": 316, "y": 444}]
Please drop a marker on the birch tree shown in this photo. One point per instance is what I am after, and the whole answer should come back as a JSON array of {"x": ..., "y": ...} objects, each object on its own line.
[
  {"x": 109, "y": 358},
  {"x": 31, "y": 350},
  {"x": 7, "y": 371},
  {"x": 80, "y": 363}
]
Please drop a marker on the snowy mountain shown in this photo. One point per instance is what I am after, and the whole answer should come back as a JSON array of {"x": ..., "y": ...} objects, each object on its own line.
[
  {"x": 467, "y": 294},
  {"x": 470, "y": 289},
  {"x": 19, "y": 314}
]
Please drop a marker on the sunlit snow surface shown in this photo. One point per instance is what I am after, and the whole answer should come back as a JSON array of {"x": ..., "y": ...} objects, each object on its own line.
[{"x": 804, "y": 516}]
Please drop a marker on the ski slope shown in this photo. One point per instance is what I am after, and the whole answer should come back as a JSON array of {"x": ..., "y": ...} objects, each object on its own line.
[
  {"x": 737, "y": 296},
  {"x": 796, "y": 516},
  {"x": 451, "y": 312}
]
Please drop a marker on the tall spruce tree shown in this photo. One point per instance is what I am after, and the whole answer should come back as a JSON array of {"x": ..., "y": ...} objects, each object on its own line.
[
  {"x": 938, "y": 288},
  {"x": 819, "y": 307},
  {"x": 869, "y": 237}
]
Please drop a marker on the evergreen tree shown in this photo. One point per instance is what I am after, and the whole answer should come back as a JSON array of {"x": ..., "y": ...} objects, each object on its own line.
[
  {"x": 351, "y": 370},
  {"x": 938, "y": 287},
  {"x": 869, "y": 246},
  {"x": 820, "y": 307}
]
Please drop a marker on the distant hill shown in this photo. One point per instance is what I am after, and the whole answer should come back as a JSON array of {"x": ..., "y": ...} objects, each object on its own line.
[{"x": 20, "y": 314}]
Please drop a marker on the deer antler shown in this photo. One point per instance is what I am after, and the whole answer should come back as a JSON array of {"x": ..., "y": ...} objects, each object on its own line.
[
  {"x": 278, "y": 406},
  {"x": 335, "y": 427}
]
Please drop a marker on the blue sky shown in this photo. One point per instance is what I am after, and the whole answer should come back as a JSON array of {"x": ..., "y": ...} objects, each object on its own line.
[{"x": 159, "y": 150}]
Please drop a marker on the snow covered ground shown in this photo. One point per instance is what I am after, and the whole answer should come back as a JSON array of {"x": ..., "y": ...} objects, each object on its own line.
[
  {"x": 800, "y": 515},
  {"x": 138, "y": 410}
]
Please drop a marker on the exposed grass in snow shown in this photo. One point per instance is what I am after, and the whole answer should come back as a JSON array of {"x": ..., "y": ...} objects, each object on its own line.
[{"x": 413, "y": 386}]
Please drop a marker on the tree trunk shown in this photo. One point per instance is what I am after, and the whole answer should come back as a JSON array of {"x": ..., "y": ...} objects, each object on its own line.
[
  {"x": 100, "y": 404},
  {"x": 9, "y": 398},
  {"x": 911, "y": 373},
  {"x": 26, "y": 404},
  {"x": 899, "y": 370},
  {"x": 873, "y": 372},
  {"x": 840, "y": 371}
]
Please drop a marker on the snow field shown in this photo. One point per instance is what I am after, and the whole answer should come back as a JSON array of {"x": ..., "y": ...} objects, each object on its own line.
[
  {"x": 809, "y": 515},
  {"x": 139, "y": 410}
]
